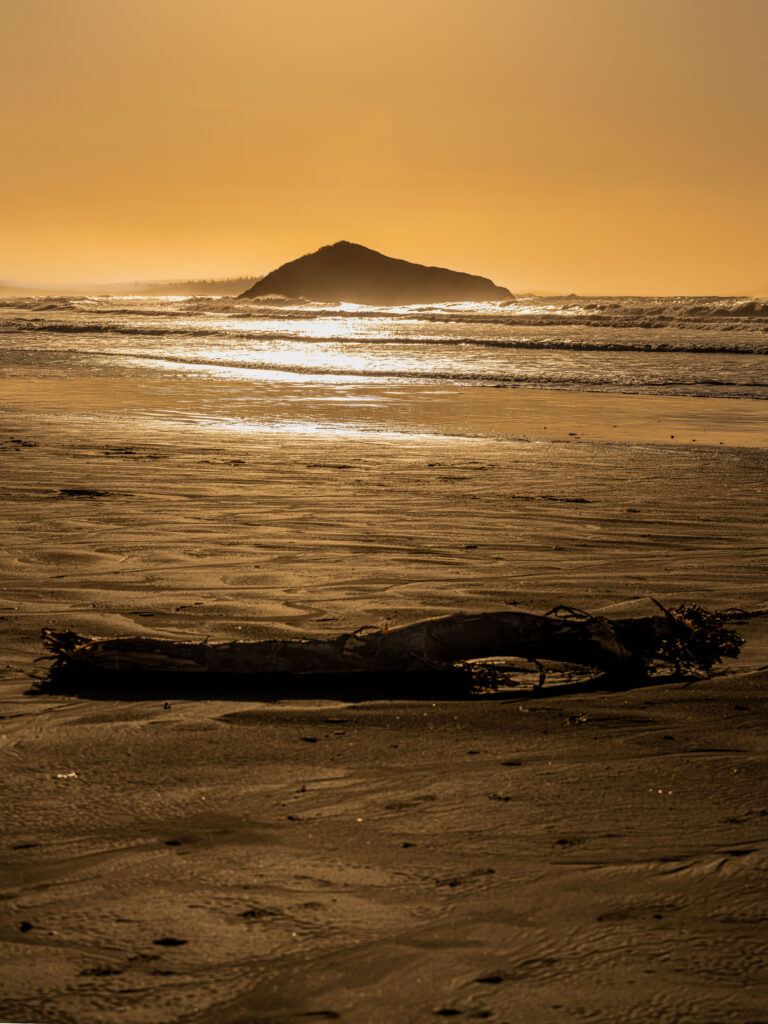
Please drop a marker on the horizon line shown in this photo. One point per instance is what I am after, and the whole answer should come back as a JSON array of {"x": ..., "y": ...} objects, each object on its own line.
[{"x": 93, "y": 287}]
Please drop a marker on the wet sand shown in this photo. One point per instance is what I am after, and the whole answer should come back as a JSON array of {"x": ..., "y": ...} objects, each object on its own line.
[
  {"x": 595, "y": 855},
  {"x": 288, "y": 404}
]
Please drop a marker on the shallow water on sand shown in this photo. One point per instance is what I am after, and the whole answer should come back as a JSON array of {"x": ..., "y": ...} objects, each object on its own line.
[{"x": 458, "y": 369}]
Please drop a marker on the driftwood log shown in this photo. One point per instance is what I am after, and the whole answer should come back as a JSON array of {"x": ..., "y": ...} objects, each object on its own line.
[{"x": 431, "y": 645}]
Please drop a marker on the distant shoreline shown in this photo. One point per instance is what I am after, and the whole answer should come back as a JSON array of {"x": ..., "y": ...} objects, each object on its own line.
[
  {"x": 231, "y": 287},
  {"x": 208, "y": 286}
]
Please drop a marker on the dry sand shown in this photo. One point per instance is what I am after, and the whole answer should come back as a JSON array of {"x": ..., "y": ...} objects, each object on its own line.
[{"x": 576, "y": 856}]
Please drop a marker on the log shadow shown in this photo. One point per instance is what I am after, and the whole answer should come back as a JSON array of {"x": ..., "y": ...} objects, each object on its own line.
[{"x": 349, "y": 687}]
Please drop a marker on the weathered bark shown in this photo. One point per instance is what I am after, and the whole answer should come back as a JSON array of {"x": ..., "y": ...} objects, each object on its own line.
[{"x": 429, "y": 645}]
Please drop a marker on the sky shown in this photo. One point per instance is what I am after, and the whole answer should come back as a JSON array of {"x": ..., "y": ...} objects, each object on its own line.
[{"x": 590, "y": 146}]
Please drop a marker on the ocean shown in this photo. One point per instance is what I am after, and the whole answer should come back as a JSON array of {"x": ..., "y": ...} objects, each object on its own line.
[{"x": 211, "y": 364}]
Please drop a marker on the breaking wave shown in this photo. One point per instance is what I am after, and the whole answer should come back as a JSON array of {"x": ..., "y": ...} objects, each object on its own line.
[
  {"x": 591, "y": 344},
  {"x": 693, "y": 313}
]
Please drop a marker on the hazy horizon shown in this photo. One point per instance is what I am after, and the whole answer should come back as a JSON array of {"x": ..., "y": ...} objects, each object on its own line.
[
  {"x": 594, "y": 147},
  {"x": 85, "y": 287},
  {"x": 77, "y": 288},
  {"x": 244, "y": 280}
]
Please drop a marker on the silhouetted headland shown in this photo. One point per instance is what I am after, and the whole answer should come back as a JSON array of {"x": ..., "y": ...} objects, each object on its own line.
[{"x": 346, "y": 272}]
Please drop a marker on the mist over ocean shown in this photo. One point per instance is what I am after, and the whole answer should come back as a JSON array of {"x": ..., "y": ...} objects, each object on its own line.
[{"x": 211, "y": 362}]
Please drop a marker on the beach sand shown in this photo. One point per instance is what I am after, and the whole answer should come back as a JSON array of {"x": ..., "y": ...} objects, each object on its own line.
[{"x": 587, "y": 855}]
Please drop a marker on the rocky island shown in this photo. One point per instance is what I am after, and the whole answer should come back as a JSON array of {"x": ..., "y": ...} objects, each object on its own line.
[{"x": 346, "y": 272}]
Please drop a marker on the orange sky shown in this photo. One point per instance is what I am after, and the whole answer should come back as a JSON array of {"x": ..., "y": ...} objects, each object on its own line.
[{"x": 563, "y": 145}]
